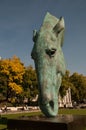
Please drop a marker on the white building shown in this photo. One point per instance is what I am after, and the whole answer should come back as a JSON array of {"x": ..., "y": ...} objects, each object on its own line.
[{"x": 66, "y": 100}]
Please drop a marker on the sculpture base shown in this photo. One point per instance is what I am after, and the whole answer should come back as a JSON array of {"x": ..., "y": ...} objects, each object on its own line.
[{"x": 61, "y": 122}]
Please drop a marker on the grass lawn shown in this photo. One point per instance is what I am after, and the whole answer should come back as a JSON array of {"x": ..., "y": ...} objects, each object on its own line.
[
  {"x": 73, "y": 111},
  {"x": 61, "y": 111}
]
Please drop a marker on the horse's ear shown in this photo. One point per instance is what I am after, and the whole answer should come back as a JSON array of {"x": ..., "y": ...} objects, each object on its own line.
[
  {"x": 35, "y": 35},
  {"x": 59, "y": 26}
]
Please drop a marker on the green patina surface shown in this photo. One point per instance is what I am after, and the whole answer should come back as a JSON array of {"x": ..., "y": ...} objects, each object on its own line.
[{"x": 49, "y": 62}]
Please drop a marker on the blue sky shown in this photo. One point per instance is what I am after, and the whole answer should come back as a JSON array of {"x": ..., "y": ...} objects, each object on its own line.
[{"x": 18, "y": 19}]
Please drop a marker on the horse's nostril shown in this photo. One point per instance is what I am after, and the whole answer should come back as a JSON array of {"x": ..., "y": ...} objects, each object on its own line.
[
  {"x": 51, "y": 104},
  {"x": 53, "y": 51}
]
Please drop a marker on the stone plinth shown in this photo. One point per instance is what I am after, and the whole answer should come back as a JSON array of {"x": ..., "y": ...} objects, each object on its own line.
[{"x": 61, "y": 122}]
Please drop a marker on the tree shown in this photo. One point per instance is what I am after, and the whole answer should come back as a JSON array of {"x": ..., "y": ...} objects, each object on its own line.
[
  {"x": 13, "y": 70},
  {"x": 30, "y": 84},
  {"x": 79, "y": 81},
  {"x": 3, "y": 88},
  {"x": 65, "y": 83}
]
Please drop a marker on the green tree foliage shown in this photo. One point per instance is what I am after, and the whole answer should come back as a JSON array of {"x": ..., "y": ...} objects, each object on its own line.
[
  {"x": 30, "y": 83},
  {"x": 65, "y": 84},
  {"x": 79, "y": 82},
  {"x": 3, "y": 87}
]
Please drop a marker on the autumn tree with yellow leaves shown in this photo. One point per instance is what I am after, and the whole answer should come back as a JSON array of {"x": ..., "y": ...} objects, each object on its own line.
[{"x": 11, "y": 74}]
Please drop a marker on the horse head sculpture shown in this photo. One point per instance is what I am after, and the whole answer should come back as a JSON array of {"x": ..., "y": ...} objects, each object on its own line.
[{"x": 49, "y": 62}]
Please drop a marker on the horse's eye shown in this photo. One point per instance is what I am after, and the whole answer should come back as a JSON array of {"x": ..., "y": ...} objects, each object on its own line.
[{"x": 50, "y": 52}]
